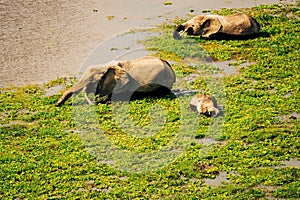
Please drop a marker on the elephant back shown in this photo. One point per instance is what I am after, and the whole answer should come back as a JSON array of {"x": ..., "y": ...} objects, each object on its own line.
[
  {"x": 150, "y": 72},
  {"x": 238, "y": 24}
]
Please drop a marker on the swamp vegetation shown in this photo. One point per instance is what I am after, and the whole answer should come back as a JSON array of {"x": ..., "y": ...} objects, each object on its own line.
[{"x": 45, "y": 153}]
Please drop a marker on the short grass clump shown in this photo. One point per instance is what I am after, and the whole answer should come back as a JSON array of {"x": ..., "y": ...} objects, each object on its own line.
[{"x": 49, "y": 152}]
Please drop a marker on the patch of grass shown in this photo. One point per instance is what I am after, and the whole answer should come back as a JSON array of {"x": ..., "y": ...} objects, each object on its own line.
[
  {"x": 47, "y": 151},
  {"x": 168, "y": 3}
]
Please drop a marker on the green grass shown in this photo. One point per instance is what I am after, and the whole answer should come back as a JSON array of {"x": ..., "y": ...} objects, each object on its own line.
[{"x": 51, "y": 152}]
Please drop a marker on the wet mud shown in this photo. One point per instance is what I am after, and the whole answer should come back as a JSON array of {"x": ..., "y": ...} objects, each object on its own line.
[{"x": 42, "y": 40}]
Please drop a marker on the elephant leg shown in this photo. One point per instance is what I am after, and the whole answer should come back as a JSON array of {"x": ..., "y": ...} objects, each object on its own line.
[{"x": 103, "y": 100}]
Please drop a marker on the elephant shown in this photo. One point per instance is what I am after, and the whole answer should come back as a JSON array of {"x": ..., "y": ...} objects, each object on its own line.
[
  {"x": 205, "y": 104},
  {"x": 236, "y": 26},
  {"x": 143, "y": 75}
]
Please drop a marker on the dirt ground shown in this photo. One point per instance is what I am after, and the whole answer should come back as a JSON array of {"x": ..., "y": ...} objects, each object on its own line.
[{"x": 42, "y": 40}]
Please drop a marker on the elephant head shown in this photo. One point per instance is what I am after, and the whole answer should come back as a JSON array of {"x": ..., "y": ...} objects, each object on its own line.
[
  {"x": 210, "y": 26},
  {"x": 142, "y": 75},
  {"x": 205, "y": 104},
  {"x": 203, "y": 25},
  {"x": 98, "y": 80}
]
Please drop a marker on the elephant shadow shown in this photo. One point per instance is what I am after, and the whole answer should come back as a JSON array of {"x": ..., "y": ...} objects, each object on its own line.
[
  {"x": 227, "y": 37},
  {"x": 162, "y": 92}
]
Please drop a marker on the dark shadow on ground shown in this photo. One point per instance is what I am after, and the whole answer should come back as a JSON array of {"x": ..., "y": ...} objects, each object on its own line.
[
  {"x": 161, "y": 92},
  {"x": 223, "y": 36}
]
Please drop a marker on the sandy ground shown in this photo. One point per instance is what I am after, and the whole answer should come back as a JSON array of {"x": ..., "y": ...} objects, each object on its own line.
[{"x": 42, "y": 39}]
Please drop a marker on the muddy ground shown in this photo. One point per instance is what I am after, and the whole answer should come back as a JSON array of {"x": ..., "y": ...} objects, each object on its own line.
[{"x": 42, "y": 40}]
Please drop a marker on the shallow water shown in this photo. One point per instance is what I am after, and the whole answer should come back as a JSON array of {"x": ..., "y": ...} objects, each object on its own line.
[
  {"x": 287, "y": 117},
  {"x": 219, "y": 180},
  {"x": 54, "y": 90},
  {"x": 120, "y": 47},
  {"x": 293, "y": 162},
  {"x": 227, "y": 69},
  {"x": 222, "y": 176}
]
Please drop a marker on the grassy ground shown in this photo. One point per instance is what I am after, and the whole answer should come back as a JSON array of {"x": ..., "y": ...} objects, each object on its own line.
[{"x": 47, "y": 152}]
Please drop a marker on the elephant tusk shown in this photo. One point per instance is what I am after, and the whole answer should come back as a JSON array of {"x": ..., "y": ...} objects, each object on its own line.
[
  {"x": 88, "y": 99},
  {"x": 181, "y": 33}
]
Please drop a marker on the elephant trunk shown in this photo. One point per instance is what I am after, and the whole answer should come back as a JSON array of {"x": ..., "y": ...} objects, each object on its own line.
[
  {"x": 73, "y": 90},
  {"x": 176, "y": 33},
  {"x": 65, "y": 97}
]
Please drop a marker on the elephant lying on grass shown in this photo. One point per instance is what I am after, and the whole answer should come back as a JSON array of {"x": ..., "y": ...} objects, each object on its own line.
[
  {"x": 205, "y": 104},
  {"x": 233, "y": 26},
  {"x": 144, "y": 75}
]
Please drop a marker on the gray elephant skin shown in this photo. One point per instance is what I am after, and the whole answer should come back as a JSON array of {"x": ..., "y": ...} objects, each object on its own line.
[
  {"x": 205, "y": 104},
  {"x": 234, "y": 26},
  {"x": 144, "y": 75}
]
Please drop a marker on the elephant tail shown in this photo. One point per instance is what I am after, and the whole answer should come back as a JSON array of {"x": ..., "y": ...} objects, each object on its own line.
[{"x": 176, "y": 33}]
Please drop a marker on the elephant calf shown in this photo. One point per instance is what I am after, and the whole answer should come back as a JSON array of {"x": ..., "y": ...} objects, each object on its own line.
[
  {"x": 216, "y": 26},
  {"x": 146, "y": 74},
  {"x": 205, "y": 104}
]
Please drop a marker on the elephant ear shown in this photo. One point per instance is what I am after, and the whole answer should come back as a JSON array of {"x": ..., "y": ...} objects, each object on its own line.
[
  {"x": 211, "y": 26},
  {"x": 108, "y": 79},
  {"x": 121, "y": 75}
]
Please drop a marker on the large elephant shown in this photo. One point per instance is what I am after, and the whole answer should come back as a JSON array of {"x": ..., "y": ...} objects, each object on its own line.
[
  {"x": 205, "y": 104},
  {"x": 146, "y": 74},
  {"x": 237, "y": 25}
]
